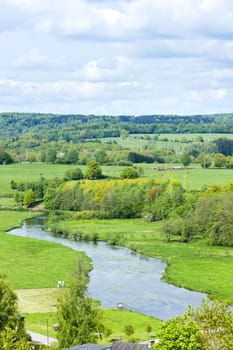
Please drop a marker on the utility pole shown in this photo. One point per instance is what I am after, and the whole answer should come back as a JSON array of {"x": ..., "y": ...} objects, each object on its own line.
[{"x": 47, "y": 330}]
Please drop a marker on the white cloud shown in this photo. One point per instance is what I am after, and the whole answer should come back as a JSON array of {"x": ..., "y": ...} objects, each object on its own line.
[
  {"x": 35, "y": 59},
  {"x": 140, "y": 56},
  {"x": 105, "y": 70}
]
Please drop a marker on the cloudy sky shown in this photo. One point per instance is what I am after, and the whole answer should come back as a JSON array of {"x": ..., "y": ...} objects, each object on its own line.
[{"x": 116, "y": 56}]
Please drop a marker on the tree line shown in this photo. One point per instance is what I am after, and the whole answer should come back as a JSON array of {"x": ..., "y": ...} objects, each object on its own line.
[{"x": 187, "y": 214}]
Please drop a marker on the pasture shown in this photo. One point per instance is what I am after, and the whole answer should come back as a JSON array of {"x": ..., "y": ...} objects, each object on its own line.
[{"x": 140, "y": 142}]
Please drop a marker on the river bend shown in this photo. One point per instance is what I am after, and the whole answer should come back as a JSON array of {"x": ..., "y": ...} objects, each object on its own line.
[{"x": 121, "y": 276}]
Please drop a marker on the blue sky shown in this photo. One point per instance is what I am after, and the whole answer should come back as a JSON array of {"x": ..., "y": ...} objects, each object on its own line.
[{"x": 116, "y": 57}]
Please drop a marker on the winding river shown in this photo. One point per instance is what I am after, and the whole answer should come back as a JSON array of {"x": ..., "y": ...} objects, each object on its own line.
[{"x": 121, "y": 276}]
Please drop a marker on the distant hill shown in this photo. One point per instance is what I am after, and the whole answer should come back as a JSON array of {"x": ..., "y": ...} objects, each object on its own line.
[{"x": 72, "y": 127}]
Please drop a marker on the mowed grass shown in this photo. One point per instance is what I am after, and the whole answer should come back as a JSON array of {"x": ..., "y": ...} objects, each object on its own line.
[
  {"x": 194, "y": 266},
  {"x": 114, "y": 320},
  {"x": 41, "y": 300}
]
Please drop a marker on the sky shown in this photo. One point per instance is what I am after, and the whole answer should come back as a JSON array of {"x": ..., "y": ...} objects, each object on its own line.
[{"x": 115, "y": 57}]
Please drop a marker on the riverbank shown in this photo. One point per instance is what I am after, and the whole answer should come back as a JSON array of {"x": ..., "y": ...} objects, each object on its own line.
[
  {"x": 29, "y": 263},
  {"x": 194, "y": 265}
]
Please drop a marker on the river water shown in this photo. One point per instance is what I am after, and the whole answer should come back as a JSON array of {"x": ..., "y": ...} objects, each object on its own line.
[{"x": 121, "y": 276}]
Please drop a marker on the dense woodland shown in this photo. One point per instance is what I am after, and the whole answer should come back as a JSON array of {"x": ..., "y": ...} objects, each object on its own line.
[
  {"x": 75, "y": 139},
  {"x": 187, "y": 214}
]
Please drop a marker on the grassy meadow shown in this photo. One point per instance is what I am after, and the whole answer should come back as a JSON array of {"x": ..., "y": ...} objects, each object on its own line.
[{"x": 194, "y": 266}]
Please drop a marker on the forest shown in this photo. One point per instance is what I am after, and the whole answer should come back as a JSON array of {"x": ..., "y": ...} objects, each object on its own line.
[{"x": 119, "y": 140}]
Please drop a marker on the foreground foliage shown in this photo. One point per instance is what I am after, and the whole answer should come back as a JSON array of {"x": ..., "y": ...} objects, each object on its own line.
[
  {"x": 79, "y": 318},
  {"x": 209, "y": 327},
  {"x": 12, "y": 333}
]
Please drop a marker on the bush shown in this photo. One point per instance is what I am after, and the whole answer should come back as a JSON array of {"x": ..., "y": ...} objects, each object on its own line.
[
  {"x": 74, "y": 174},
  {"x": 128, "y": 329},
  {"x": 129, "y": 173}
]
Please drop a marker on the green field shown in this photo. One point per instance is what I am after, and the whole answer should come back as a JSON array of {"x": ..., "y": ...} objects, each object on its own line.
[
  {"x": 30, "y": 263},
  {"x": 195, "y": 177},
  {"x": 114, "y": 320},
  {"x": 140, "y": 142},
  {"x": 29, "y": 172}
]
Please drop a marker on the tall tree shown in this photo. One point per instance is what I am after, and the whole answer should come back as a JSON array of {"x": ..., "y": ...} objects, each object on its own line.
[
  {"x": 78, "y": 316},
  {"x": 11, "y": 323},
  {"x": 29, "y": 197},
  {"x": 93, "y": 170}
]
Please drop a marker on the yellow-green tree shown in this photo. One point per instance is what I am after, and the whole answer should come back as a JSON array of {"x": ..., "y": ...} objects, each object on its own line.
[
  {"x": 209, "y": 327},
  {"x": 93, "y": 170},
  {"x": 29, "y": 197}
]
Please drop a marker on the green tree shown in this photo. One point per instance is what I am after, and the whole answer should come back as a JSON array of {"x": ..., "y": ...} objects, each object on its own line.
[
  {"x": 215, "y": 320},
  {"x": 5, "y": 158},
  {"x": 180, "y": 333},
  {"x": 19, "y": 198},
  {"x": 186, "y": 159},
  {"x": 101, "y": 156},
  {"x": 74, "y": 174},
  {"x": 9, "y": 340},
  {"x": 93, "y": 170},
  {"x": 128, "y": 329},
  {"x": 205, "y": 160},
  {"x": 229, "y": 163},
  {"x": 220, "y": 160},
  {"x": 72, "y": 156},
  {"x": 214, "y": 215},
  {"x": 209, "y": 327},
  {"x": 11, "y": 322},
  {"x": 29, "y": 197},
  {"x": 129, "y": 173},
  {"x": 51, "y": 155},
  {"x": 225, "y": 146},
  {"x": 79, "y": 318}
]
